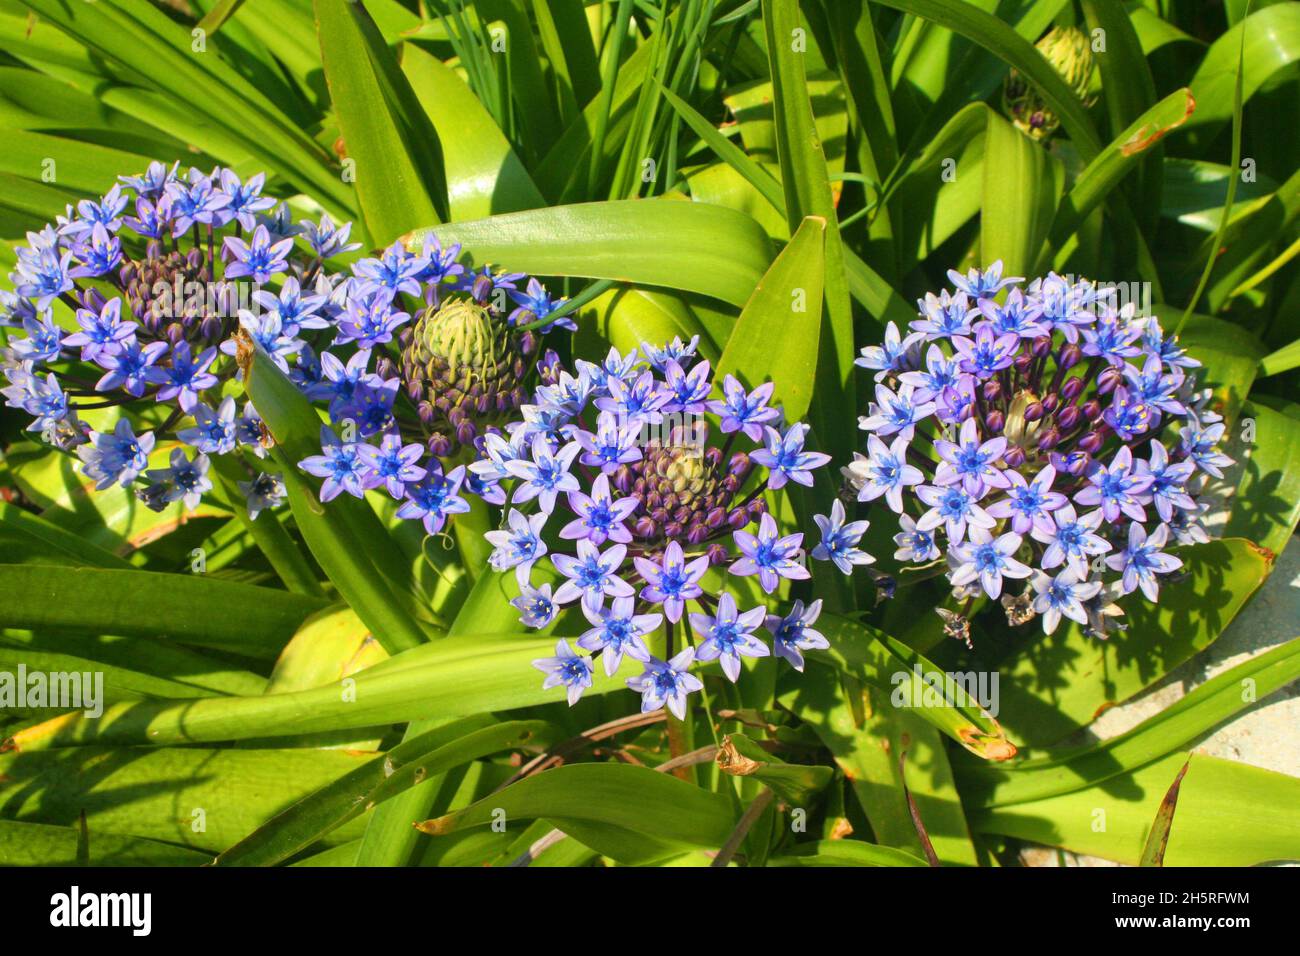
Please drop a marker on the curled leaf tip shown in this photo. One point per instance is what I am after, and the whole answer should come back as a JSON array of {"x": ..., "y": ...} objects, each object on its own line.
[{"x": 732, "y": 761}]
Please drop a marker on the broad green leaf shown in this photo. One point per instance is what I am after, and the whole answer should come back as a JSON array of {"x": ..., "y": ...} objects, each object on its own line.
[
  {"x": 377, "y": 780},
  {"x": 1062, "y": 681},
  {"x": 189, "y": 608},
  {"x": 805, "y": 181},
  {"x": 1229, "y": 814},
  {"x": 76, "y": 549},
  {"x": 777, "y": 337},
  {"x": 867, "y": 736},
  {"x": 638, "y": 800},
  {"x": 1266, "y": 507},
  {"x": 1108, "y": 169},
  {"x": 345, "y": 537},
  {"x": 1171, "y": 729},
  {"x": 845, "y": 853},
  {"x": 1022, "y": 186},
  {"x": 230, "y": 792},
  {"x": 398, "y": 160},
  {"x": 795, "y": 784},
  {"x": 484, "y": 176},
  {"x": 1005, "y": 43},
  {"x": 663, "y": 242},
  {"x": 40, "y": 844},
  {"x": 453, "y": 677}
]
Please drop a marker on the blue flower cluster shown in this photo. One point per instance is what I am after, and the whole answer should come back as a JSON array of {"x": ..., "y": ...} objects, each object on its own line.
[
  {"x": 1044, "y": 434},
  {"x": 157, "y": 274},
  {"x": 619, "y": 453},
  {"x": 426, "y": 355}
]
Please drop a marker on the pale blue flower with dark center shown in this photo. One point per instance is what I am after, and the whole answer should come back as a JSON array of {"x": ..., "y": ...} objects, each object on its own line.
[
  {"x": 688, "y": 391},
  {"x": 394, "y": 464},
  {"x": 954, "y": 508},
  {"x": 1073, "y": 541},
  {"x": 264, "y": 492},
  {"x": 246, "y": 199},
  {"x": 641, "y": 401},
  {"x": 895, "y": 412},
  {"x": 1129, "y": 416},
  {"x": 610, "y": 445},
  {"x": 987, "y": 353},
  {"x": 884, "y": 471},
  {"x": 769, "y": 555},
  {"x": 184, "y": 377},
  {"x": 794, "y": 633},
  {"x": 251, "y": 431},
  {"x": 101, "y": 254},
  {"x": 1142, "y": 559},
  {"x": 44, "y": 340},
  {"x": 727, "y": 636},
  {"x": 914, "y": 544},
  {"x": 599, "y": 515},
  {"x": 546, "y": 474},
  {"x": 1111, "y": 340},
  {"x": 742, "y": 411},
  {"x": 1063, "y": 595},
  {"x": 970, "y": 462},
  {"x": 267, "y": 332},
  {"x": 986, "y": 560},
  {"x": 116, "y": 457},
  {"x": 618, "y": 630},
  {"x": 435, "y": 497},
  {"x": 518, "y": 545},
  {"x": 326, "y": 239},
  {"x": 592, "y": 575},
  {"x": 786, "y": 459},
  {"x": 396, "y": 270},
  {"x": 982, "y": 283},
  {"x": 535, "y": 305},
  {"x": 186, "y": 480},
  {"x": 340, "y": 464},
  {"x": 339, "y": 382},
  {"x": 671, "y": 581},
  {"x": 296, "y": 310},
  {"x": 370, "y": 320},
  {"x": 43, "y": 275},
  {"x": 674, "y": 351},
  {"x": 194, "y": 203},
  {"x": 1029, "y": 504},
  {"x": 1168, "y": 488},
  {"x": 839, "y": 539},
  {"x": 895, "y": 354},
  {"x": 622, "y": 367},
  {"x": 667, "y": 682},
  {"x": 1155, "y": 387},
  {"x": 567, "y": 669},
  {"x": 128, "y": 367},
  {"x": 1199, "y": 444},
  {"x": 214, "y": 431},
  {"x": 943, "y": 315},
  {"x": 536, "y": 606},
  {"x": 940, "y": 373},
  {"x": 1015, "y": 317},
  {"x": 1117, "y": 488}
]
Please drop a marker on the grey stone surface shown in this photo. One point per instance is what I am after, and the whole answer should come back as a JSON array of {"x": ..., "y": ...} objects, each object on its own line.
[{"x": 1267, "y": 734}]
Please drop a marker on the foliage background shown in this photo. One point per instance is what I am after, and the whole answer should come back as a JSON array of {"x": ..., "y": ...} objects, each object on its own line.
[{"x": 522, "y": 129}]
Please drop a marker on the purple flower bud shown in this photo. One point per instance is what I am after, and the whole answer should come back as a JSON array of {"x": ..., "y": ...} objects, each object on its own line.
[
  {"x": 738, "y": 518},
  {"x": 739, "y": 465},
  {"x": 1070, "y": 356},
  {"x": 1091, "y": 442},
  {"x": 991, "y": 390},
  {"x": 1042, "y": 346},
  {"x": 1034, "y": 411},
  {"x": 439, "y": 445},
  {"x": 1072, "y": 389},
  {"x": 1091, "y": 409},
  {"x": 994, "y": 421},
  {"x": 1014, "y": 456},
  {"x": 1049, "y": 440},
  {"x": 1068, "y": 418},
  {"x": 716, "y": 517},
  {"x": 645, "y": 527},
  {"x": 717, "y": 554},
  {"x": 1108, "y": 380}
]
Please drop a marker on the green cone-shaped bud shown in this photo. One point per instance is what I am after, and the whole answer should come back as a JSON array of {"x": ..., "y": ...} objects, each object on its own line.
[
  {"x": 1070, "y": 53},
  {"x": 464, "y": 369}
]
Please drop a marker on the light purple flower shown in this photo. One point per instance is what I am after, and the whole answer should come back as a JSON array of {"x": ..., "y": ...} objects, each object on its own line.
[
  {"x": 518, "y": 545},
  {"x": 1064, "y": 595},
  {"x": 786, "y": 459},
  {"x": 566, "y": 668},
  {"x": 592, "y": 575},
  {"x": 672, "y": 582},
  {"x": 839, "y": 539},
  {"x": 600, "y": 517},
  {"x": 794, "y": 633},
  {"x": 617, "y": 630},
  {"x": 769, "y": 555},
  {"x": 987, "y": 560},
  {"x": 1029, "y": 504},
  {"x": 883, "y": 471},
  {"x": 666, "y": 682},
  {"x": 546, "y": 475},
  {"x": 1142, "y": 560},
  {"x": 728, "y": 635},
  {"x": 741, "y": 411}
]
